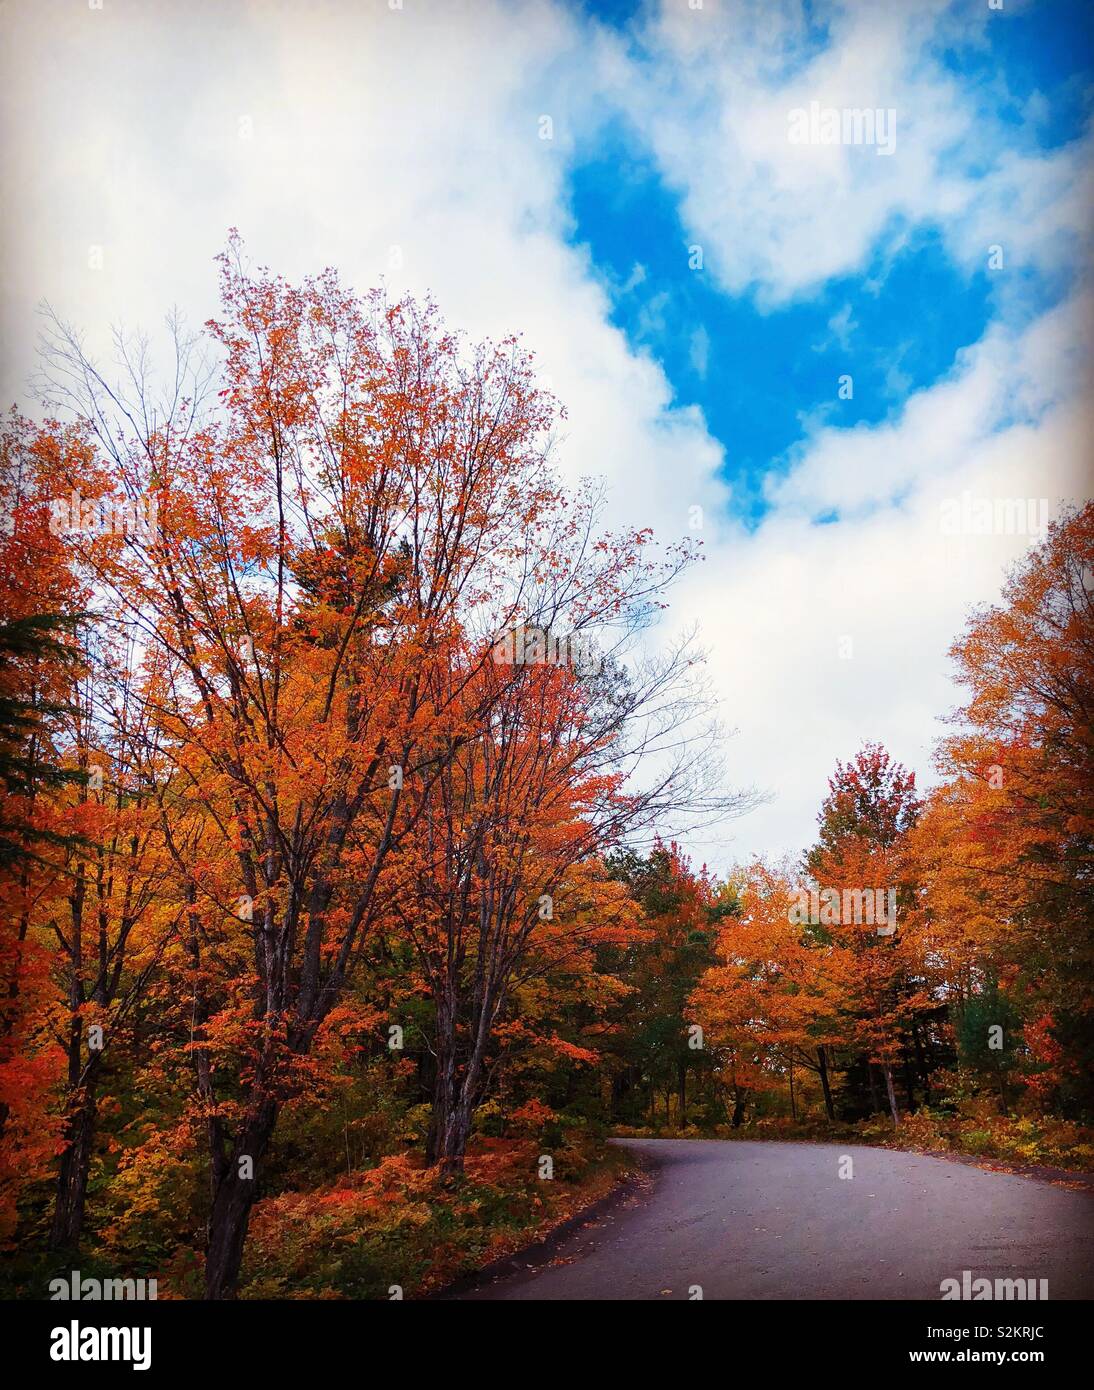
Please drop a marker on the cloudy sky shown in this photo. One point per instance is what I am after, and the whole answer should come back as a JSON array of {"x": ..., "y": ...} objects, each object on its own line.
[{"x": 798, "y": 351}]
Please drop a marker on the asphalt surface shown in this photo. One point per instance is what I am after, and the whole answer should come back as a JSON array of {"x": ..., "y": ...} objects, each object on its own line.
[{"x": 766, "y": 1220}]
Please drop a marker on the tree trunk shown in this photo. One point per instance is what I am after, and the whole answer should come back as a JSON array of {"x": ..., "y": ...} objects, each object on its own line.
[
  {"x": 739, "y": 1109},
  {"x": 457, "y": 1096},
  {"x": 793, "y": 1107},
  {"x": 892, "y": 1094},
  {"x": 450, "y": 1121},
  {"x": 822, "y": 1061},
  {"x": 233, "y": 1198},
  {"x": 453, "y": 1137},
  {"x": 682, "y": 1078},
  {"x": 442, "y": 1133},
  {"x": 444, "y": 1104},
  {"x": 68, "y": 1211}
]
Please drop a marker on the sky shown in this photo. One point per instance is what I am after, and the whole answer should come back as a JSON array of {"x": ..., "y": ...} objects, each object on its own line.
[{"x": 800, "y": 350}]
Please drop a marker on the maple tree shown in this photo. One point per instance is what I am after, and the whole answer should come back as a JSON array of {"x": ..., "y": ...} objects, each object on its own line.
[
  {"x": 315, "y": 614},
  {"x": 870, "y": 807},
  {"x": 985, "y": 967},
  {"x": 497, "y": 868},
  {"x": 114, "y": 913},
  {"x": 41, "y": 600},
  {"x": 1018, "y": 801}
]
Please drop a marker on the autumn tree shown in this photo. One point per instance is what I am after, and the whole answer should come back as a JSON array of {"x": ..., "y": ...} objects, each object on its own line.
[
  {"x": 776, "y": 998},
  {"x": 331, "y": 549},
  {"x": 658, "y": 1047},
  {"x": 41, "y": 602},
  {"x": 1020, "y": 768},
  {"x": 546, "y": 785},
  {"x": 112, "y": 912},
  {"x": 860, "y": 851}
]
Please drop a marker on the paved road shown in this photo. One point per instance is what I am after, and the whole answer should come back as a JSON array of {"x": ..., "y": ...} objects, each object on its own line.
[{"x": 765, "y": 1220}]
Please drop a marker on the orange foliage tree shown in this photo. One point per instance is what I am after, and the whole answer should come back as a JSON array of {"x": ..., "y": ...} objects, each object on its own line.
[
  {"x": 1011, "y": 855},
  {"x": 329, "y": 555}
]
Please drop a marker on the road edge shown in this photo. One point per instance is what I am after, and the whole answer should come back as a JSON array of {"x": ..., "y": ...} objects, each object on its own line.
[{"x": 542, "y": 1250}]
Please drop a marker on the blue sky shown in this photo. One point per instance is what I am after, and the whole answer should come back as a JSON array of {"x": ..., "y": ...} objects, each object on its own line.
[
  {"x": 757, "y": 374},
  {"x": 760, "y": 373}
]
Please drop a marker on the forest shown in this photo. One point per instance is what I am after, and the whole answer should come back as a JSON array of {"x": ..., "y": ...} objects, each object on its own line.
[{"x": 347, "y": 905}]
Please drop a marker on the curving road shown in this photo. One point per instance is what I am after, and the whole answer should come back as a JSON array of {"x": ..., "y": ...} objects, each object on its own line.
[{"x": 767, "y": 1220}]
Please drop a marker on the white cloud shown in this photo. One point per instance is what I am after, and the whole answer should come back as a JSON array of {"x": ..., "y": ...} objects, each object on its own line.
[
  {"x": 332, "y": 133},
  {"x": 841, "y": 326},
  {"x": 778, "y": 218},
  {"x": 774, "y": 605},
  {"x": 397, "y": 144},
  {"x": 699, "y": 350}
]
